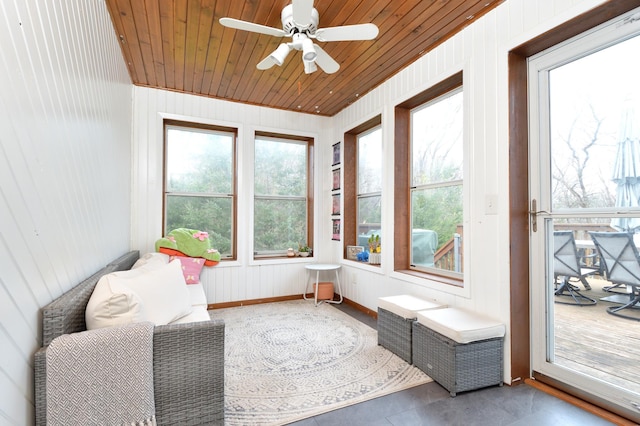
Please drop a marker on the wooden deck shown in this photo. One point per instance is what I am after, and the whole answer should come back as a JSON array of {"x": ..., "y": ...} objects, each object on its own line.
[{"x": 596, "y": 343}]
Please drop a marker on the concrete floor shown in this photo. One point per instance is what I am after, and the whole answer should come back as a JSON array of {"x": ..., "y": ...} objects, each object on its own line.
[{"x": 430, "y": 404}]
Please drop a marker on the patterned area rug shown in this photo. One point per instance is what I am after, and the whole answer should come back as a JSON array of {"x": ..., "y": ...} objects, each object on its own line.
[{"x": 288, "y": 361}]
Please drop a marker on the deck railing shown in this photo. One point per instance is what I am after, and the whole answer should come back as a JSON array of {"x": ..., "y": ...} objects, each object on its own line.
[{"x": 450, "y": 256}]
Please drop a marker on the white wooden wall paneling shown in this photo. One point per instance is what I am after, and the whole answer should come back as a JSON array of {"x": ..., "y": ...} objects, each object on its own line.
[
  {"x": 65, "y": 134},
  {"x": 255, "y": 279}
]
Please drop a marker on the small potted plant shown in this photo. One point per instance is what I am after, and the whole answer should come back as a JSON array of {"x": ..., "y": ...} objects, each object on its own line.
[
  {"x": 304, "y": 251},
  {"x": 374, "y": 243},
  {"x": 374, "y": 249}
]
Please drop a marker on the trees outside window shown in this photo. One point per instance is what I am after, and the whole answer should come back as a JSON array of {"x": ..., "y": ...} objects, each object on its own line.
[
  {"x": 282, "y": 189},
  {"x": 428, "y": 179},
  {"x": 200, "y": 189},
  {"x": 369, "y": 184}
]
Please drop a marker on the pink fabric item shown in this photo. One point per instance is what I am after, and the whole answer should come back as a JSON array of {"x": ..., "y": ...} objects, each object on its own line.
[{"x": 191, "y": 267}]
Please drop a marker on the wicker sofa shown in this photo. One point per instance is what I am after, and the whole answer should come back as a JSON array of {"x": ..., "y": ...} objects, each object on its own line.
[{"x": 188, "y": 359}]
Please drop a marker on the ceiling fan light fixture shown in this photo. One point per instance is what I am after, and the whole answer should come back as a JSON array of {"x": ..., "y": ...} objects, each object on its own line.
[
  {"x": 308, "y": 51},
  {"x": 300, "y": 22},
  {"x": 280, "y": 54},
  {"x": 310, "y": 67}
]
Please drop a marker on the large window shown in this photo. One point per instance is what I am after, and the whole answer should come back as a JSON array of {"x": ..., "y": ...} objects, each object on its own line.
[
  {"x": 282, "y": 188},
  {"x": 429, "y": 138},
  {"x": 369, "y": 185},
  {"x": 199, "y": 182},
  {"x": 436, "y": 183},
  {"x": 362, "y": 184}
]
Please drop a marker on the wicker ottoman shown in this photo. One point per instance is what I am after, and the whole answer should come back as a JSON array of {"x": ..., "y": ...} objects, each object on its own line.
[
  {"x": 395, "y": 317},
  {"x": 459, "y": 349}
]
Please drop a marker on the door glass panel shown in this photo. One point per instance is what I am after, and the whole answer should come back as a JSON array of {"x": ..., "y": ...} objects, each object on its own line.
[
  {"x": 595, "y": 129},
  {"x": 585, "y": 174},
  {"x": 590, "y": 337}
]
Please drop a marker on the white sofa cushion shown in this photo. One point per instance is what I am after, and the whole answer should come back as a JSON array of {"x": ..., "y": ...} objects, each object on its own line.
[
  {"x": 199, "y": 313},
  {"x": 406, "y": 306},
  {"x": 151, "y": 260},
  {"x": 460, "y": 325},
  {"x": 152, "y": 293},
  {"x": 197, "y": 296}
]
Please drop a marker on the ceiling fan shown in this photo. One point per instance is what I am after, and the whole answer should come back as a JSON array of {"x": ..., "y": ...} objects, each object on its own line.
[{"x": 300, "y": 22}]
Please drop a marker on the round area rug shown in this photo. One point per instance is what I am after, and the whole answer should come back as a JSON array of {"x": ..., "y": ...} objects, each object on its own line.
[{"x": 291, "y": 360}]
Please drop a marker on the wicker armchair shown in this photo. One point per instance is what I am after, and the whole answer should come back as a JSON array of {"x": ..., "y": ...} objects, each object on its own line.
[{"x": 188, "y": 359}]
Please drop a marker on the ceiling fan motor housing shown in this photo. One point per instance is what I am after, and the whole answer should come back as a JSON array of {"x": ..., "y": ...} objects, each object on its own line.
[{"x": 291, "y": 27}]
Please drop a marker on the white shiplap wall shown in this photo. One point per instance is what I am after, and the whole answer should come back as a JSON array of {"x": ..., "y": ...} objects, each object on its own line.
[{"x": 65, "y": 149}]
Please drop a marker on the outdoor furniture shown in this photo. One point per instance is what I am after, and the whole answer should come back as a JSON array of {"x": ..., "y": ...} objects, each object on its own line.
[
  {"x": 424, "y": 247},
  {"x": 459, "y": 349},
  {"x": 622, "y": 262},
  {"x": 396, "y": 315},
  {"x": 567, "y": 265},
  {"x": 188, "y": 358}
]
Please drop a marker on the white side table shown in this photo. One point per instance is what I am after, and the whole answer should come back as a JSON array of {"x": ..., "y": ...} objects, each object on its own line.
[{"x": 321, "y": 267}]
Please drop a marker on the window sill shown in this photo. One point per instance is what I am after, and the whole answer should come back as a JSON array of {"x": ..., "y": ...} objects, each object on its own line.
[
  {"x": 279, "y": 260},
  {"x": 433, "y": 277},
  {"x": 363, "y": 265}
]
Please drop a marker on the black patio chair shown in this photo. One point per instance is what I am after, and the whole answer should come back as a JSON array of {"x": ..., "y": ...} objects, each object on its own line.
[
  {"x": 620, "y": 256},
  {"x": 568, "y": 269}
]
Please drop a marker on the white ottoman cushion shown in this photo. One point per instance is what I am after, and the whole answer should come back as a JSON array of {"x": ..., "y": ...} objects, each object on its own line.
[
  {"x": 406, "y": 306},
  {"x": 460, "y": 325}
]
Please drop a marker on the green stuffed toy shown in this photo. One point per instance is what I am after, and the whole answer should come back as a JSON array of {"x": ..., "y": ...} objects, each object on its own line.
[{"x": 189, "y": 242}]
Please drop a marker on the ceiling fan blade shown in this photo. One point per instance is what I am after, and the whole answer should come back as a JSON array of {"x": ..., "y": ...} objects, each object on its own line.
[
  {"x": 347, "y": 33},
  {"x": 326, "y": 62},
  {"x": 302, "y": 10},
  {"x": 250, "y": 26}
]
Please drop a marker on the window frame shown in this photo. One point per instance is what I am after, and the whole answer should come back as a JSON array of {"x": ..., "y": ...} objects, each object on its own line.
[
  {"x": 309, "y": 141},
  {"x": 364, "y": 195},
  {"x": 403, "y": 183},
  {"x": 350, "y": 170},
  {"x": 233, "y": 195}
]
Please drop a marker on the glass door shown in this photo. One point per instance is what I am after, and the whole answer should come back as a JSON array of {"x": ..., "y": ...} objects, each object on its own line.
[{"x": 585, "y": 179}]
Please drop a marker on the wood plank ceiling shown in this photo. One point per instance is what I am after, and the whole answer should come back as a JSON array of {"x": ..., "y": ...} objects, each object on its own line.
[{"x": 180, "y": 45}]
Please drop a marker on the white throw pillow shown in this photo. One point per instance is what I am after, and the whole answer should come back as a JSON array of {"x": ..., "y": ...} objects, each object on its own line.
[
  {"x": 163, "y": 292},
  {"x": 112, "y": 304},
  {"x": 157, "y": 294},
  {"x": 151, "y": 260}
]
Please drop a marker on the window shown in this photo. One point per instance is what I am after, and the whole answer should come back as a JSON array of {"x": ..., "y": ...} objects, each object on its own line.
[
  {"x": 282, "y": 188},
  {"x": 436, "y": 183},
  {"x": 369, "y": 185},
  {"x": 199, "y": 182},
  {"x": 429, "y": 137},
  {"x": 362, "y": 184}
]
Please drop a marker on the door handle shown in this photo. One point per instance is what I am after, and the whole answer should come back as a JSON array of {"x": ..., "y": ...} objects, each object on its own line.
[{"x": 533, "y": 215}]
